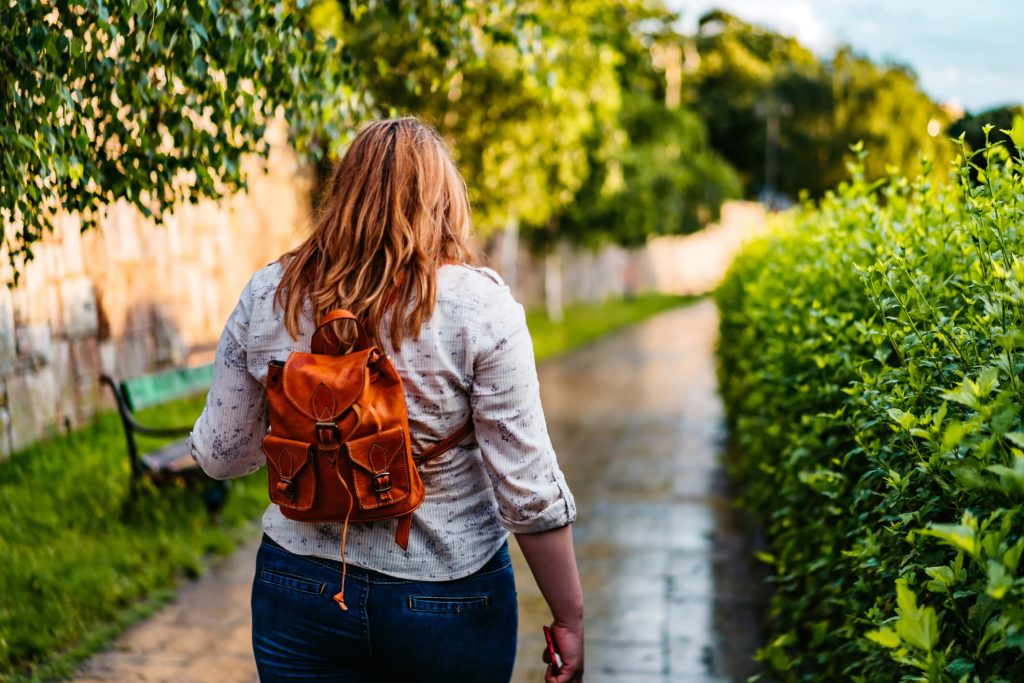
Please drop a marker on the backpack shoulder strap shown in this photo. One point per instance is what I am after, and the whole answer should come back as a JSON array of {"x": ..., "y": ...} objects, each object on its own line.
[
  {"x": 442, "y": 446},
  {"x": 446, "y": 443}
]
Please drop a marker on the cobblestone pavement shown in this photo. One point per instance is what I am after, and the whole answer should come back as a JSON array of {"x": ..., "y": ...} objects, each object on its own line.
[
  {"x": 669, "y": 597},
  {"x": 201, "y": 637}
]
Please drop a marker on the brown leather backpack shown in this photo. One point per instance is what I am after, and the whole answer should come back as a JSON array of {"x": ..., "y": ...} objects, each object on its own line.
[{"x": 338, "y": 447}]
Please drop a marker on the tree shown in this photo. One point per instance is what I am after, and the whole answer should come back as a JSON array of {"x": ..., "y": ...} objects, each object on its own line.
[
  {"x": 786, "y": 119},
  {"x": 665, "y": 179},
  {"x": 156, "y": 103},
  {"x": 761, "y": 95},
  {"x": 517, "y": 113},
  {"x": 149, "y": 103},
  {"x": 883, "y": 107},
  {"x": 563, "y": 134}
]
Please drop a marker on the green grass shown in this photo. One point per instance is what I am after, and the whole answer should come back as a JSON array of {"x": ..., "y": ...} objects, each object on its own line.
[
  {"x": 584, "y": 323},
  {"x": 75, "y": 571}
]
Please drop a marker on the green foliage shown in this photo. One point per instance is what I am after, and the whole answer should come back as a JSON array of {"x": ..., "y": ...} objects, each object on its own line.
[
  {"x": 558, "y": 110},
  {"x": 518, "y": 115},
  {"x": 665, "y": 178},
  {"x": 871, "y": 364},
  {"x": 785, "y": 118},
  {"x": 155, "y": 104},
  {"x": 1001, "y": 120},
  {"x": 150, "y": 103},
  {"x": 410, "y": 57},
  {"x": 73, "y": 566}
]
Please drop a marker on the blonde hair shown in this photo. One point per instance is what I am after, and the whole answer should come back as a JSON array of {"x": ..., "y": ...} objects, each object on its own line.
[{"x": 393, "y": 212}]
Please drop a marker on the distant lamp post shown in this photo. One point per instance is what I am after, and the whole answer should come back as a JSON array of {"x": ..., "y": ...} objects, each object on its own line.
[
  {"x": 669, "y": 57},
  {"x": 773, "y": 110}
]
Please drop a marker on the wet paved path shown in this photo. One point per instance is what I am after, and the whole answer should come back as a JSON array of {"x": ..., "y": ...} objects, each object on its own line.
[
  {"x": 637, "y": 425},
  {"x": 636, "y": 421}
]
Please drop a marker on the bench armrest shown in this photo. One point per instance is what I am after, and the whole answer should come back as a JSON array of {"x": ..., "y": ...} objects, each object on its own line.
[{"x": 131, "y": 424}]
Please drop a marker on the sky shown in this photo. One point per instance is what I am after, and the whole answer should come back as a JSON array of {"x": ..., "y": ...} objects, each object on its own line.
[{"x": 970, "y": 54}]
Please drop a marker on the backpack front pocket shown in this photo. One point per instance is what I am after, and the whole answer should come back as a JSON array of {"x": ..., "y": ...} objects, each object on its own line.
[
  {"x": 291, "y": 473},
  {"x": 381, "y": 472}
]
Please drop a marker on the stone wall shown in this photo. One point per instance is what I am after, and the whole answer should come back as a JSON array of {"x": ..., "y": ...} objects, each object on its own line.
[
  {"x": 684, "y": 264},
  {"x": 132, "y": 297}
]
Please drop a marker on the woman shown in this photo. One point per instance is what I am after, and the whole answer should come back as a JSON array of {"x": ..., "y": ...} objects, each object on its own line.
[{"x": 391, "y": 245}]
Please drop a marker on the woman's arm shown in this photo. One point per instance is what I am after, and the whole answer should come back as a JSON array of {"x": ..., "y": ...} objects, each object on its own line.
[
  {"x": 533, "y": 500},
  {"x": 509, "y": 424},
  {"x": 226, "y": 439},
  {"x": 553, "y": 563}
]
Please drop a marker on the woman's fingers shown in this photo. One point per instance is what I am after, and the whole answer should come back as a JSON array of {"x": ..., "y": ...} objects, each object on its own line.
[{"x": 567, "y": 675}]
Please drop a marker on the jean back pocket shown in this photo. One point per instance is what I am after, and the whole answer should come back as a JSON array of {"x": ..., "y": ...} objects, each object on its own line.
[
  {"x": 297, "y": 583},
  {"x": 449, "y": 604}
]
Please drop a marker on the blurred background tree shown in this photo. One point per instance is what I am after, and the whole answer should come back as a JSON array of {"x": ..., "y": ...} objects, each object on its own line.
[
  {"x": 665, "y": 179},
  {"x": 883, "y": 107},
  {"x": 591, "y": 121},
  {"x": 559, "y": 118},
  {"x": 763, "y": 96},
  {"x": 786, "y": 118}
]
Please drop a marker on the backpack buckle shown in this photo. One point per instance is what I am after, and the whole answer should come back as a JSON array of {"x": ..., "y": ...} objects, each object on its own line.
[
  {"x": 328, "y": 434},
  {"x": 382, "y": 482},
  {"x": 287, "y": 488}
]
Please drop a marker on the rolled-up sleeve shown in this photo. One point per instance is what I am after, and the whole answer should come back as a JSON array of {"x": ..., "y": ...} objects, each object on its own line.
[
  {"x": 520, "y": 461},
  {"x": 226, "y": 439}
]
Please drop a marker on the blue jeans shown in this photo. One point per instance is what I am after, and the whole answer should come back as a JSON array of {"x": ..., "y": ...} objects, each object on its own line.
[{"x": 394, "y": 629}]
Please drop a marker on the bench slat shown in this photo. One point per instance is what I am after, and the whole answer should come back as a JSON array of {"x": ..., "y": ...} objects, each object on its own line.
[
  {"x": 151, "y": 390},
  {"x": 171, "y": 458}
]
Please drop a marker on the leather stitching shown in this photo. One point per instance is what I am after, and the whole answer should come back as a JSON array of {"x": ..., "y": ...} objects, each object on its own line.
[
  {"x": 299, "y": 503},
  {"x": 290, "y": 395},
  {"x": 378, "y": 449},
  {"x": 328, "y": 411}
]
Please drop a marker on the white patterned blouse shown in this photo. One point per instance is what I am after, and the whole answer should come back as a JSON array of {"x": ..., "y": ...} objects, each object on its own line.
[{"x": 474, "y": 356}]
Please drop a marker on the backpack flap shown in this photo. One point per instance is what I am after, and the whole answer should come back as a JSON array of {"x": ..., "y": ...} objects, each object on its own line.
[
  {"x": 381, "y": 468},
  {"x": 306, "y": 377},
  {"x": 291, "y": 473}
]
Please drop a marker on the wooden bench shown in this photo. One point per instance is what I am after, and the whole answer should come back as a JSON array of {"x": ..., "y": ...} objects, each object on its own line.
[{"x": 172, "y": 462}]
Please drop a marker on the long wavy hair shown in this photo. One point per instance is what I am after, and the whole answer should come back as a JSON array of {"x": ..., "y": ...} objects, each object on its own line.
[{"x": 394, "y": 211}]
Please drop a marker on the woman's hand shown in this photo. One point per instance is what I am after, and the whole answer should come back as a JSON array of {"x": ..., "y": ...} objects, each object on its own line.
[
  {"x": 569, "y": 640},
  {"x": 553, "y": 563}
]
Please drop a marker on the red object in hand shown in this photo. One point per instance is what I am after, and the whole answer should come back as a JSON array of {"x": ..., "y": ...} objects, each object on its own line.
[{"x": 556, "y": 659}]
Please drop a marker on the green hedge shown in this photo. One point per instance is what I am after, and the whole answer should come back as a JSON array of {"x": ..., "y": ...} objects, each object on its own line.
[{"x": 871, "y": 365}]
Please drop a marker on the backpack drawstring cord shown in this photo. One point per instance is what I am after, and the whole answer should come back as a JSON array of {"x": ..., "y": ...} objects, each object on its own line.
[{"x": 339, "y": 597}]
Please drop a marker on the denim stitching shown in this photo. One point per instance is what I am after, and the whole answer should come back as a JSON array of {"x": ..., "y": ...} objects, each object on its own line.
[
  {"x": 489, "y": 573},
  {"x": 294, "y": 579},
  {"x": 364, "y": 615},
  {"x": 398, "y": 582},
  {"x": 319, "y": 563}
]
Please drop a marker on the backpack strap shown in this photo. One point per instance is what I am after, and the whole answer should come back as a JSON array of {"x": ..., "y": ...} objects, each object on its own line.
[
  {"x": 442, "y": 446},
  {"x": 319, "y": 344},
  {"x": 445, "y": 444}
]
